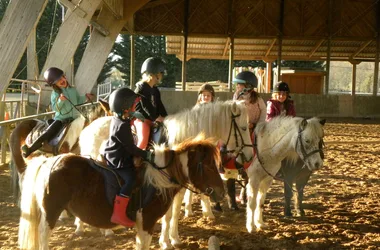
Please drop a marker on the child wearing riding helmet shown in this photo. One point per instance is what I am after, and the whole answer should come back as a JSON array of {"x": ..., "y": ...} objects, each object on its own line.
[
  {"x": 150, "y": 106},
  {"x": 206, "y": 94},
  {"x": 246, "y": 82},
  {"x": 120, "y": 150},
  {"x": 63, "y": 100},
  {"x": 280, "y": 104}
]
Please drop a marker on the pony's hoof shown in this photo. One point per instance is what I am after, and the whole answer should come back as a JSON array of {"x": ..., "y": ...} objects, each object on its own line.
[
  {"x": 209, "y": 216},
  {"x": 300, "y": 213},
  {"x": 165, "y": 246},
  {"x": 234, "y": 207},
  {"x": 288, "y": 215},
  {"x": 217, "y": 208},
  {"x": 108, "y": 233},
  {"x": 261, "y": 226},
  {"x": 79, "y": 233}
]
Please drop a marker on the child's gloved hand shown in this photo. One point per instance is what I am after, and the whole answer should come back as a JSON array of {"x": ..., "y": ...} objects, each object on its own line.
[{"x": 150, "y": 156}]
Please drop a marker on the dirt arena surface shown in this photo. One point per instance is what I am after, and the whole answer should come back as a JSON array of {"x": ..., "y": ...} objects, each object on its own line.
[{"x": 341, "y": 204}]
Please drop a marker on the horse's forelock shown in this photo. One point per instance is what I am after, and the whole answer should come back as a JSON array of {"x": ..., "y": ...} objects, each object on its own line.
[{"x": 316, "y": 127}]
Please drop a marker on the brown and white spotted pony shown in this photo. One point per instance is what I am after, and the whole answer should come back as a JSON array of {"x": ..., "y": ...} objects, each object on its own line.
[{"x": 71, "y": 182}]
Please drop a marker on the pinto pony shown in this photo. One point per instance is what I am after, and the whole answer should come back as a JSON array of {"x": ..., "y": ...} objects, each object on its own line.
[
  {"x": 29, "y": 129},
  {"x": 224, "y": 121},
  {"x": 70, "y": 182},
  {"x": 282, "y": 137}
]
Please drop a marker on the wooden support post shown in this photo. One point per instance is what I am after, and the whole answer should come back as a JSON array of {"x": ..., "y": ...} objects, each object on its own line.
[
  {"x": 353, "y": 80},
  {"x": 67, "y": 40},
  {"x": 269, "y": 74},
  {"x": 185, "y": 37},
  {"x": 99, "y": 46},
  {"x": 281, "y": 32},
  {"x": 32, "y": 60},
  {"x": 328, "y": 59},
  {"x": 376, "y": 71},
  {"x": 133, "y": 64},
  {"x": 230, "y": 64},
  {"x": 15, "y": 29}
]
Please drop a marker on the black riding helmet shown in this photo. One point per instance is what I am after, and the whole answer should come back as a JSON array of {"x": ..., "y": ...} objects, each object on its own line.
[
  {"x": 281, "y": 86},
  {"x": 247, "y": 78},
  {"x": 206, "y": 87},
  {"x": 153, "y": 65},
  {"x": 52, "y": 75},
  {"x": 122, "y": 99}
]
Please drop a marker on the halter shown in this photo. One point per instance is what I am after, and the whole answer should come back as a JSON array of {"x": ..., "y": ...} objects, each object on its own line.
[
  {"x": 209, "y": 190},
  {"x": 243, "y": 145},
  {"x": 305, "y": 155}
]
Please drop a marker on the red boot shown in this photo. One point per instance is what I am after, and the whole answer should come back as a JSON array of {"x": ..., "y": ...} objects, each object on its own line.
[{"x": 119, "y": 215}]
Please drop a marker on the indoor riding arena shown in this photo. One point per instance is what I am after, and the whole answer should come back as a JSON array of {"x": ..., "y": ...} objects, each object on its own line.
[
  {"x": 341, "y": 204},
  {"x": 341, "y": 200}
]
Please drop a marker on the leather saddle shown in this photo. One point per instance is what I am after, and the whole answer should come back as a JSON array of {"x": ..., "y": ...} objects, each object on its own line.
[
  {"x": 141, "y": 196},
  {"x": 63, "y": 141}
]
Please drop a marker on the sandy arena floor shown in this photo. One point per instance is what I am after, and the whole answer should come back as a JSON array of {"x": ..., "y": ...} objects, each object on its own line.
[{"x": 341, "y": 201}]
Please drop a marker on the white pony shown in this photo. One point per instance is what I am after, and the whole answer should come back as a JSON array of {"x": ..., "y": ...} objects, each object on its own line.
[
  {"x": 225, "y": 121},
  {"x": 282, "y": 137}
]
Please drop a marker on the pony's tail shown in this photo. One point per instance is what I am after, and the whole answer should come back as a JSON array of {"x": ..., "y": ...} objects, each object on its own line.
[
  {"x": 32, "y": 218},
  {"x": 16, "y": 140}
]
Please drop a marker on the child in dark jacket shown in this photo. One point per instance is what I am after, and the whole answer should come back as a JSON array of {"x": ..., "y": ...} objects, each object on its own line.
[
  {"x": 120, "y": 150},
  {"x": 150, "y": 106}
]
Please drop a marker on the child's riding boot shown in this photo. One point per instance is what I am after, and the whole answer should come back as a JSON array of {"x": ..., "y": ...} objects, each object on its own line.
[
  {"x": 26, "y": 151},
  {"x": 119, "y": 215}
]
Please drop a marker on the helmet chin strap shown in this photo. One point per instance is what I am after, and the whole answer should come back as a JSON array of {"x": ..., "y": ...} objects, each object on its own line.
[{"x": 136, "y": 115}]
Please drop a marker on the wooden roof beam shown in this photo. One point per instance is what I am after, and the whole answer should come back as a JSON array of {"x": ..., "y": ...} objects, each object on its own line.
[
  {"x": 116, "y": 7},
  {"x": 73, "y": 8},
  {"x": 270, "y": 47},
  {"x": 316, "y": 47},
  {"x": 226, "y": 46},
  {"x": 363, "y": 46},
  {"x": 156, "y": 3}
]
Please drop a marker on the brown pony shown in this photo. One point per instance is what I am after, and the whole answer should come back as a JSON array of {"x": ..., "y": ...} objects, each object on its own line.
[
  {"x": 28, "y": 129},
  {"x": 50, "y": 185}
]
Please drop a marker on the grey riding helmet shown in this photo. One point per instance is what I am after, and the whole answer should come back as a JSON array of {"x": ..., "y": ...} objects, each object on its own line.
[
  {"x": 52, "y": 75},
  {"x": 153, "y": 65},
  {"x": 247, "y": 78}
]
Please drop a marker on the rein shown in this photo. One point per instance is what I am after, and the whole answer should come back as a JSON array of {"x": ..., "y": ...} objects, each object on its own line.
[
  {"x": 208, "y": 191},
  {"x": 304, "y": 154}
]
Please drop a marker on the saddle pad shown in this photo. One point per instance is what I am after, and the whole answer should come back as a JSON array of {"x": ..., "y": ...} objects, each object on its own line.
[{"x": 141, "y": 196}]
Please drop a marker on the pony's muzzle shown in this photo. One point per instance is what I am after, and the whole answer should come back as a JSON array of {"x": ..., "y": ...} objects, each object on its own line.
[
  {"x": 216, "y": 195},
  {"x": 315, "y": 166}
]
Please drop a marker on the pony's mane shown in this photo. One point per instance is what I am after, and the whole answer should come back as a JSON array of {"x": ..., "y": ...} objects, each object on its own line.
[
  {"x": 211, "y": 119},
  {"x": 178, "y": 168}
]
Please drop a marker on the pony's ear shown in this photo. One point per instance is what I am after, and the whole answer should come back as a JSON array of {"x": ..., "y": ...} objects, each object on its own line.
[
  {"x": 236, "y": 108},
  {"x": 303, "y": 124},
  {"x": 105, "y": 106},
  {"x": 322, "y": 122}
]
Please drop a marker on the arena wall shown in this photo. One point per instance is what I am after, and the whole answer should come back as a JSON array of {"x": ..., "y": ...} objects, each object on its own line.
[{"x": 306, "y": 105}]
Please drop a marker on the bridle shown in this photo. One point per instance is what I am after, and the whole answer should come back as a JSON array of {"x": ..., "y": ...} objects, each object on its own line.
[
  {"x": 240, "y": 148},
  {"x": 305, "y": 155},
  {"x": 209, "y": 191}
]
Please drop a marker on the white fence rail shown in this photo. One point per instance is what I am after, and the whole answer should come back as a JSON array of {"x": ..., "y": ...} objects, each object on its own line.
[{"x": 104, "y": 90}]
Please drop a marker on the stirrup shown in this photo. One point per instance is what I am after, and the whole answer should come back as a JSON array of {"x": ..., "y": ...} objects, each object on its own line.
[{"x": 25, "y": 151}]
